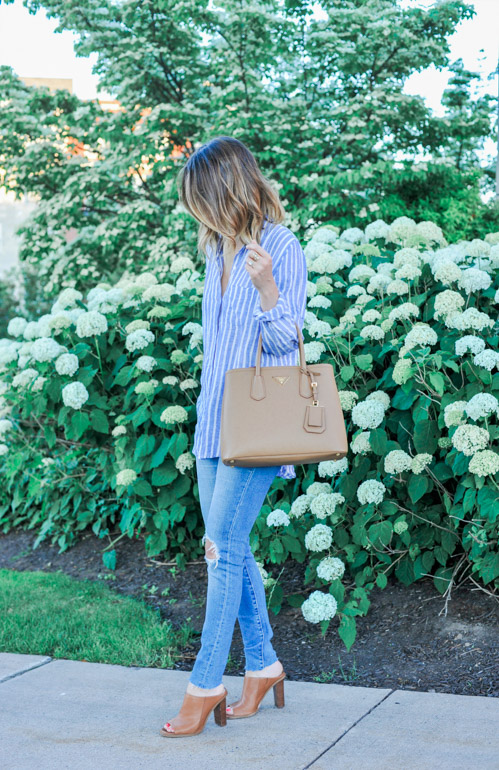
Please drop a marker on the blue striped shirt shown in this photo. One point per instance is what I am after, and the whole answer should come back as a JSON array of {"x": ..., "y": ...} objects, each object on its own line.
[{"x": 232, "y": 324}]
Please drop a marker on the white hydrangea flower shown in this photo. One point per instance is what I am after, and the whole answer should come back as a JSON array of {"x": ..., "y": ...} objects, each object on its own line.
[
  {"x": 319, "y": 300},
  {"x": 368, "y": 414},
  {"x": 31, "y": 330},
  {"x": 146, "y": 388},
  {"x": 278, "y": 518},
  {"x": 67, "y": 363},
  {"x": 318, "y": 607},
  {"x": 377, "y": 229},
  {"x": 188, "y": 383},
  {"x": 319, "y": 328},
  {"x": 371, "y": 316},
  {"x": 447, "y": 302},
  {"x": 355, "y": 291},
  {"x": 381, "y": 396},
  {"x": 170, "y": 379},
  {"x": 447, "y": 272},
  {"x": 406, "y": 256},
  {"x": 174, "y": 414},
  {"x": 300, "y": 506},
  {"x": 145, "y": 363},
  {"x": 420, "y": 334},
  {"x": 125, "y": 477},
  {"x": 469, "y": 319},
  {"x": 74, "y": 395},
  {"x": 473, "y": 279},
  {"x": 180, "y": 264},
  {"x": 361, "y": 273},
  {"x": 317, "y": 488},
  {"x": 360, "y": 444},
  {"x": 68, "y": 298},
  {"x": 16, "y": 326},
  {"x": 5, "y": 426},
  {"x": 481, "y": 405},
  {"x": 402, "y": 371},
  {"x": 420, "y": 462},
  {"x": 469, "y": 343},
  {"x": 372, "y": 332},
  {"x": 469, "y": 439},
  {"x": 400, "y": 526},
  {"x": 38, "y": 383},
  {"x": 401, "y": 229},
  {"x": 371, "y": 491},
  {"x": 24, "y": 378},
  {"x": 325, "y": 234},
  {"x": 330, "y": 568},
  {"x": 353, "y": 235},
  {"x": 332, "y": 467},
  {"x": 454, "y": 413},
  {"x": 46, "y": 349},
  {"x": 484, "y": 463},
  {"x": 139, "y": 339},
  {"x": 313, "y": 351},
  {"x": 487, "y": 359},
  {"x": 325, "y": 504},
  {"x": 4, "y": 449},
  {"x": 138, "y": 324},
  {"x": 348, "y": 399},
  {"x": 91, "y": 324},
  {"x": 406, "y": 311},
  {"x": 379, "y": 284},
  {"x": 119, "y": 430},
  {"x": 397, "y": 461},
  {"x": 397, "y": 287},
  {"x": 160, "y": 291},
  {"x": 185, "y": 462},
  {"x": 409, "y": 272},
  {"x": 319, "y": 537},
  {"x": 430, "y": 232}
]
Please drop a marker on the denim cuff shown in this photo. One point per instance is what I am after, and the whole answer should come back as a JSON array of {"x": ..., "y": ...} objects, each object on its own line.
[{"x": 274, "y": 313}]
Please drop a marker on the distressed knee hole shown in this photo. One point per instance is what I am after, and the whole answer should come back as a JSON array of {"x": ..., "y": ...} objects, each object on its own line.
[{"x": 211, "y": 553}]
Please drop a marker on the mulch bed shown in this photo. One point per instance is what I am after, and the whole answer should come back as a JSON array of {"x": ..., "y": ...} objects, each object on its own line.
[{"x": 406, "y": 641}]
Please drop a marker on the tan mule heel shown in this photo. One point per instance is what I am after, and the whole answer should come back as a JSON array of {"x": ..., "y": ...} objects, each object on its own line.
[
  {"x": 194, "y": 712},
  {"x": 254, "y": 690}
]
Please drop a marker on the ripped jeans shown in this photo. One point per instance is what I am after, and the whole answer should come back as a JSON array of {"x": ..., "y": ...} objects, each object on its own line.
[{"x": 231, "y": 499}]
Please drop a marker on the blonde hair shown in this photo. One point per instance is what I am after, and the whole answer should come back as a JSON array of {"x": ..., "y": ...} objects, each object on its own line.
[{"x": 222, "y": 187}]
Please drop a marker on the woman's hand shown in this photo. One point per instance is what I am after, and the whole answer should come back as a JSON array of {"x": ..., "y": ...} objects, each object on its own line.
[{"x": 260, "y": 272}]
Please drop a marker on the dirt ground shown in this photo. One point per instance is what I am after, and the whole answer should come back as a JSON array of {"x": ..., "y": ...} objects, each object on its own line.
[{"x": 406, "y": 641}]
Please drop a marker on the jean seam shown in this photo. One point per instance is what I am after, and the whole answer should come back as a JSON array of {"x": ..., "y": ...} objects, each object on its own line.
[
  {"x": 215, "y": 643},
  {"x": 260, "y": 626}
]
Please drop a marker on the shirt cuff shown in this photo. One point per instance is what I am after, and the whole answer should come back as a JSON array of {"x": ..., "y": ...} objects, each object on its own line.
[{"x": 273, "y": 314}]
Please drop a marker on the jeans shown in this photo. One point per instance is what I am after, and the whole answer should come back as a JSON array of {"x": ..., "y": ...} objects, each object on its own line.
[{"x": 231, "y": 499}]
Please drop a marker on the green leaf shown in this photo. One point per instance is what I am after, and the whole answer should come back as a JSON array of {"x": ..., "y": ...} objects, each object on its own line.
[
  {"x": 109, "y": 559},
  {"x": 405, "y": 571},
  {"x": 417, "y": 487},
  {"x": 381, "y": 580},
  {"x": 426, "y": 436},
  {"x": 165, "y": 474},
  {"x": 347, "y": 372},
  {"x": 142, "y": 488},
  {"x": 161, "y": 452},
  {"x": 143, "y": 446},
  {"x": 364, "y": 361},
  {"x": 489, "y": 568},
  {"x": 488, "y": 501},
  {"x": 402, "y": 400},
  {"x": 99, "y": 421},
  {"x": 441, "y": 579},
  {"x": 79, "y": 423},
  {"x": 438, "y": 381},
  {"x": 295, "y": 600},
  {"x": 347, "y": 631},
  {"x": 378, "y": 441}
]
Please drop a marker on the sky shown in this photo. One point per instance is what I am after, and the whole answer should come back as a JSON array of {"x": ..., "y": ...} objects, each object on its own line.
[{"x": 44, "y": 53}]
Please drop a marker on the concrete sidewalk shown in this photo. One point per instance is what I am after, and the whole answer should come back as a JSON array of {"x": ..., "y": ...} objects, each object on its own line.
[{"x": 88, "y": 716}]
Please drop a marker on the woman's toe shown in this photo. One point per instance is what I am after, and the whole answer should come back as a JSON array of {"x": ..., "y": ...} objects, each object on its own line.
[
  {"x": 229, "y": 709},
  {"x": 168, "y": 727}
]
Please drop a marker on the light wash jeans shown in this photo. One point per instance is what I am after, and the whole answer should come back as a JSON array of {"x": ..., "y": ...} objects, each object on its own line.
[{"x": 231, "y": 499}]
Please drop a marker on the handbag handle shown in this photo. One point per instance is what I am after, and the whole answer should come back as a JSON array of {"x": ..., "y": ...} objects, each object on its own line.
[{"x": 308, "y": 386}]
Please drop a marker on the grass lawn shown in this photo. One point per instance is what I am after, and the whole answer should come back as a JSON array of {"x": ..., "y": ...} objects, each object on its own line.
[{"x": 49, "y": 613}]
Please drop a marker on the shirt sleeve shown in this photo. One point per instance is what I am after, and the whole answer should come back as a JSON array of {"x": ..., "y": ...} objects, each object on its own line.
[{"x": 277, "y": 325}]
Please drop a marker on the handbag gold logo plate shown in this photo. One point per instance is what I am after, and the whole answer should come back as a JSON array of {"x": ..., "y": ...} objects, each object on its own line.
[{"x": 281, "y": 380}]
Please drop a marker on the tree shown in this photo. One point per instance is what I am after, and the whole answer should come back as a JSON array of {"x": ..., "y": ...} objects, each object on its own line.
[{"x": 320, "y": 102}]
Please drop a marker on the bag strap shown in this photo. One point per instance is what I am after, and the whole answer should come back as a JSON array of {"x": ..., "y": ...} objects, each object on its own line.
[{"x": 308, "y": 386}]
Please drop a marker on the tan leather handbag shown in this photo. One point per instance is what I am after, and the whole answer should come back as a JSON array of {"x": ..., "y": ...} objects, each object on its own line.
[{"x": 281, "y": 415}]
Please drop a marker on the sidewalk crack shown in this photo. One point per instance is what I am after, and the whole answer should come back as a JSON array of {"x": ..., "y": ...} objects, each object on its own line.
[
  {"x": 25, "y": 670},
  {"x": 333, "y": 744}
]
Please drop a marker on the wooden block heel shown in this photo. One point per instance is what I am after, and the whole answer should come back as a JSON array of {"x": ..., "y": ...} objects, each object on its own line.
[
  {"x": 220, "y": 713},
  {"x": 279, "y": 694},
  {"x": 254, "y": 690}
]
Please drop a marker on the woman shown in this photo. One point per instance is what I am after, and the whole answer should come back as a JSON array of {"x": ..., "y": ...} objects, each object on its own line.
[{"x": 256, "y": 281}]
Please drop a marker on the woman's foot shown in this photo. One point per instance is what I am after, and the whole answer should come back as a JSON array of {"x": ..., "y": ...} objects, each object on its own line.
[
  {"x": 273, "y": 670},
  {"x": 193, "y": 689}
]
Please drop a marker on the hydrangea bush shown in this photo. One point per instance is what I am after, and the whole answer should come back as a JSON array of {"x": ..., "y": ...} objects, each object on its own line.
[{"x": 98, "y": 400}]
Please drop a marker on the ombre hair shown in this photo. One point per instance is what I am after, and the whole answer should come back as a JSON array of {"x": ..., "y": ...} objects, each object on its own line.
[{"x": 222, "y": 187}]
